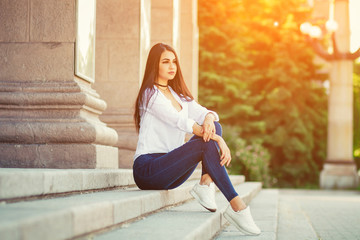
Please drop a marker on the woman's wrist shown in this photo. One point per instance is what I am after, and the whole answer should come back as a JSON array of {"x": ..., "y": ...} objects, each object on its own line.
[
  {"x": 210, "y": 116},
  {"x": 216, "y": 138}
]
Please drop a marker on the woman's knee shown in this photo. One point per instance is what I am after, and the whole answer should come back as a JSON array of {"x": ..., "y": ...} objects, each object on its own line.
[{"x": 218, "y": 128}]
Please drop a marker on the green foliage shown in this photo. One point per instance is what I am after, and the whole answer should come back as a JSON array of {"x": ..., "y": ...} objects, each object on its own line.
[
  {"x": 257, "y": 72},
  {"x": 251, "y": 160}
]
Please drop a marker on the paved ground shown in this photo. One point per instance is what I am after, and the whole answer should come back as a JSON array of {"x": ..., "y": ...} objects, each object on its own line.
[{"x": 304, "y": 215}]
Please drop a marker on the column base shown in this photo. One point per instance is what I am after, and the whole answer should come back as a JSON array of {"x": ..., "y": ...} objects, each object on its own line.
[
  {"x": 62, "y": 156},
  {"x": 54, "y": 124},
  {"x": 339, "y": 175},
  {"x": 122, "y": 121}
]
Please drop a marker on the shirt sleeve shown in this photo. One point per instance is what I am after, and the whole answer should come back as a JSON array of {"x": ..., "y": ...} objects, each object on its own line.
[
  {"x": 198, "y": 112},
  {"x": 164, "y": 111}
]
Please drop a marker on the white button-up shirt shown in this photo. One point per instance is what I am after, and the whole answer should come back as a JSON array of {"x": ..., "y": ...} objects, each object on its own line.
[{"x": 162, "y": 127}]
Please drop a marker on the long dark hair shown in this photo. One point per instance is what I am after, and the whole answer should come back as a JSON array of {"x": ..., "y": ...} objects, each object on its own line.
[{"x": 151, "y": 75}]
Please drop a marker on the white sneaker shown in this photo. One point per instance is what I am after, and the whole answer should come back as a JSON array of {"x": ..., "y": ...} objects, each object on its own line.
[
  {"x": 205, "y": 195},
  {"x": 242, "y": 220}
]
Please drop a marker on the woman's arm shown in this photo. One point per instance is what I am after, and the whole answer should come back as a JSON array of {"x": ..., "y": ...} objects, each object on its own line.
[
  {"x": 225, "y": 151},
  {"x": 198, "y": 112},
  {"x": 208, "y": 127}
]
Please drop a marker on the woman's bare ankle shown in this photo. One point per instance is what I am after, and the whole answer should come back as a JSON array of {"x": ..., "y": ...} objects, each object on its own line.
[
  {"x": 205, "y": 179},
  {"x": 237, "y": 204}
]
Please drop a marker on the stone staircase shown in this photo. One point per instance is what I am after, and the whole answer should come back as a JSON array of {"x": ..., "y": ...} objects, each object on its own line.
[{"x": 104, "y": 204}]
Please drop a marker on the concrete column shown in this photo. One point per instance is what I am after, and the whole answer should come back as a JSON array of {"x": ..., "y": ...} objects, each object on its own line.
[
  {"x": 339, "y": 169},
  {"x": 175, "y": 22},
  {"x": 122, "y": 45},
  {"x": 189, "y": 45},
  {"x": 48, "y": 117},
  {"x": 166, "y": 23}
]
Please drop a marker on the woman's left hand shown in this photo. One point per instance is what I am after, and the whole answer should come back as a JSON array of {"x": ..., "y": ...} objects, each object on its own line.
[
  {"x": 208, "y": 127},
  {"x": 225, "y": 157}
]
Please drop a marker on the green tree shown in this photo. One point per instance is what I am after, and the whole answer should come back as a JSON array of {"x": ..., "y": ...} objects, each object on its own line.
[{"x": 257, "y": 72}]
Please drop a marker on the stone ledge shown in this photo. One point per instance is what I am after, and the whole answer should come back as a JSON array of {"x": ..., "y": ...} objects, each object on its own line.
[
  {"x": 21, "y": 183},
  {"x": 59, "y": 156},
  {"x": 29, "y": 182}
]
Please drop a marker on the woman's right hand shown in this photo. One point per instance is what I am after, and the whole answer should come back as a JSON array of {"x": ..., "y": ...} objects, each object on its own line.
[{"x": 225, "y": 151}]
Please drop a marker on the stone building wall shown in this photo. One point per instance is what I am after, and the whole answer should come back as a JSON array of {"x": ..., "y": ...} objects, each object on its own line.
[{"x": 50, "y": 118}]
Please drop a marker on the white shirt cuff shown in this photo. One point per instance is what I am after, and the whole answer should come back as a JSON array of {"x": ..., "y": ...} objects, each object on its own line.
[
  {"x": 215, "y": 114},
  {"x": 189, "y": 125}
]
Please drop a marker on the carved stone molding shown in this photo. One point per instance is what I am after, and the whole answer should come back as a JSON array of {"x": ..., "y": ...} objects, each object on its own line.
[{"x": 54, "y": 124}]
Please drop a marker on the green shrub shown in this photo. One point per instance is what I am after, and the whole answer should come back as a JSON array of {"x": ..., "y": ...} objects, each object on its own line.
[{"x": 249, "y": 159}]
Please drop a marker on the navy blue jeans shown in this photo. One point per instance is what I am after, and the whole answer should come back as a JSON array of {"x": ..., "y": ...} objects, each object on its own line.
[{"x": 157, "y": 171}]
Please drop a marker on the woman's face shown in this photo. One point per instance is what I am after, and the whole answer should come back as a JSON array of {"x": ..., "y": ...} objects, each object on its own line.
[{"x": 167, "y": 66}]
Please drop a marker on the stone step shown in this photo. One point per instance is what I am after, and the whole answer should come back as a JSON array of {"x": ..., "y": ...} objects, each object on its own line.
[
  {"x": 21, "y": 183},
  {"x": 264, "y": 208},
  {"x": 187, "y": 221},
  {"x": 71, "y": 216}
]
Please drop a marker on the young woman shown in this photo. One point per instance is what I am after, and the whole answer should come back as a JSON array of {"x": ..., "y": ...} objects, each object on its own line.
[{"x": 164, "y": 111}]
